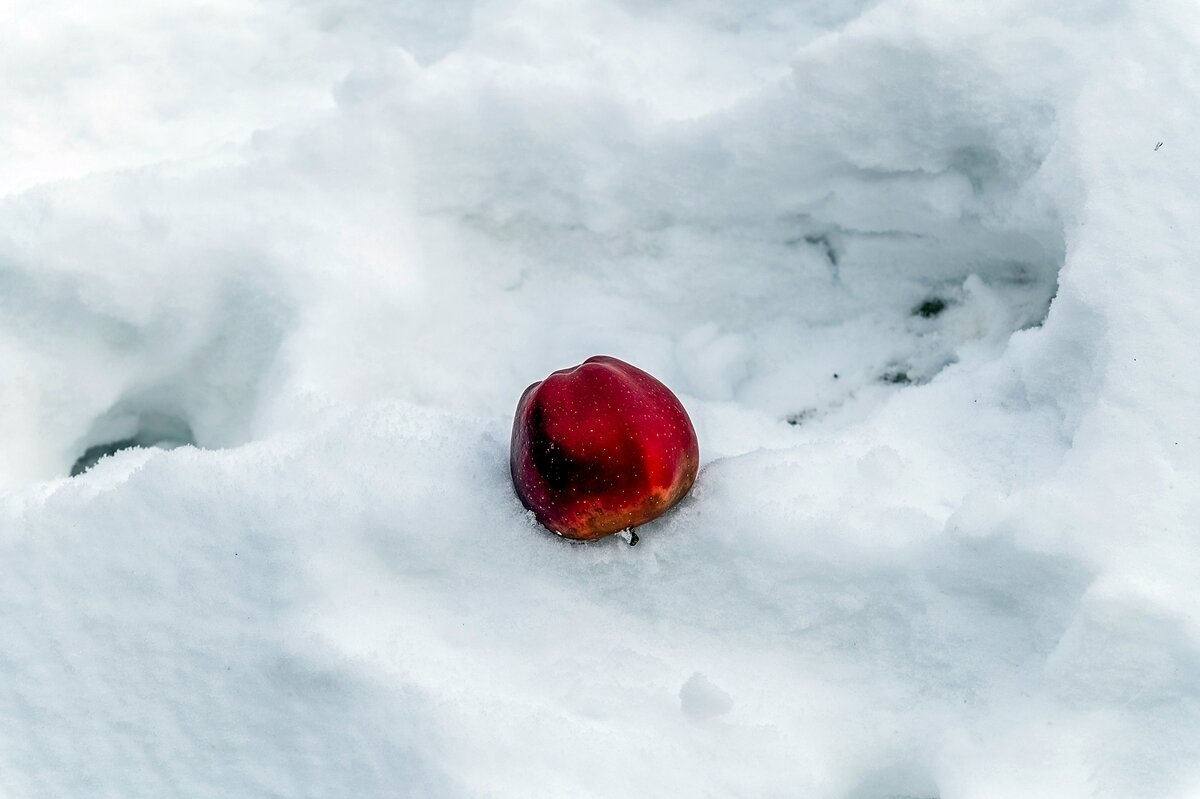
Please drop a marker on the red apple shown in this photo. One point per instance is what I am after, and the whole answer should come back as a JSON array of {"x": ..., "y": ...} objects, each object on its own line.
[{"x": 601, "y": 447}]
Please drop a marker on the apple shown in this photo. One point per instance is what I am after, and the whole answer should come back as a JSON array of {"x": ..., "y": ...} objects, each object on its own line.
[{"x": 601, "y": 447}]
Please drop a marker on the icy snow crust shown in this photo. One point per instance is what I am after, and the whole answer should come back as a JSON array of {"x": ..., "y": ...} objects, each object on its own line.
[{"x": 933, "y": 551}]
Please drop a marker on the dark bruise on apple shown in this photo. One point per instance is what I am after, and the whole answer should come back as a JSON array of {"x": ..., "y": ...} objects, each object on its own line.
[{"x": 601, "y": 447}]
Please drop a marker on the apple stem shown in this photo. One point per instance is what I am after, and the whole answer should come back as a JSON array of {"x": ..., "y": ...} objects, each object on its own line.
[{"x": 633, "y": 538}]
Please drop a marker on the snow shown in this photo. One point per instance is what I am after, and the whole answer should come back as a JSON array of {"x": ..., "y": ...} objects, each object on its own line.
[{"x": 920, "y": 272}]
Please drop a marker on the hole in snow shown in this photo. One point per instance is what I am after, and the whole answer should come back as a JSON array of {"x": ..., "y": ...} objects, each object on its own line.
[
  {"x": 929, "y": 308},
  {"x": 123, "y": 431}
]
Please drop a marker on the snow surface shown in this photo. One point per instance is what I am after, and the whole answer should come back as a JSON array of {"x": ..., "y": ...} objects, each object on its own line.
[{"x": 944, "y": 538}]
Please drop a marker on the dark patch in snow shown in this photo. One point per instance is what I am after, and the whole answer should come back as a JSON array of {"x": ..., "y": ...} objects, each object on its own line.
[
  {"x": 827, "y": 248},
  {"x": 92, "y": 455},
  {"x": 930, "y": 307},
  {"x": 799, "y": 418},
  {"x": 897, "y": 377},
  {"x": 162, "y": 430}
]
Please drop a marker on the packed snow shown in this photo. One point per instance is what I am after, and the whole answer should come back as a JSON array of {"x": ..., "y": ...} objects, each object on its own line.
[{"x": 923, "y": 273}]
